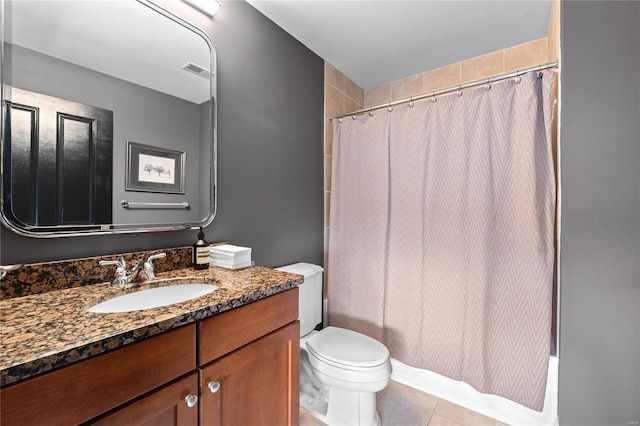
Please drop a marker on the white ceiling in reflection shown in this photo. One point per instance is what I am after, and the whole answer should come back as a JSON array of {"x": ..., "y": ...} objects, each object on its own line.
[{"x": 123, "y": 39}]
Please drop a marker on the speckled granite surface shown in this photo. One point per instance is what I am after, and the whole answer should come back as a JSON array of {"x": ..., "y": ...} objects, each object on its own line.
[
  {"x": 39, "y": 278},
  {"x": 44, "y": 331}
]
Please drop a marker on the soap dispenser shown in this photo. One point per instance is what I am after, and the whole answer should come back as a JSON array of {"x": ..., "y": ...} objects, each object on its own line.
[{"x": 200, "y": 252}]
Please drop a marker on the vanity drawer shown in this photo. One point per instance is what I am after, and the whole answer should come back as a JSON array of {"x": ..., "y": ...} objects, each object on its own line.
[
  {"x": 84, "y": 390},
  {"x": 233, "y": 329}
]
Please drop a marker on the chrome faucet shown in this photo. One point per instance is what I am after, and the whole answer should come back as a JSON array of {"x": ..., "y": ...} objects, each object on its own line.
[{"x": 141, "y": 273}]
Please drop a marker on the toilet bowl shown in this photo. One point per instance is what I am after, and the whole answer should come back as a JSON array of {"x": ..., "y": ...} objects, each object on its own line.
[{"x": 340, "y": 369}]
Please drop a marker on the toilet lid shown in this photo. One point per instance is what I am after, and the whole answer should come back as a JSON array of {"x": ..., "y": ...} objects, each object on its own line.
[{"x": 347, "y": 347}]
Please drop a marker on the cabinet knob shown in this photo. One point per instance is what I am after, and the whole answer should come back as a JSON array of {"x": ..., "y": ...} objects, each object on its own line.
[
  {"x": 191, "y": 400},
  {"x": 213, "y": 386}
]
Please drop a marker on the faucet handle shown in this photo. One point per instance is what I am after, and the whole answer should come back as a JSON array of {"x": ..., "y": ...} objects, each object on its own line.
[
  {"x": 156, "y": 256},
  {"x": 148, "y": 265},
  {"x": 121, "y": 270},
  {"x": 118, "y": 263}
]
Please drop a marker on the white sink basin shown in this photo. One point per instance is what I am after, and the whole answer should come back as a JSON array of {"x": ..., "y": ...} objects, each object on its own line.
[{"x": 153, "y": 298}]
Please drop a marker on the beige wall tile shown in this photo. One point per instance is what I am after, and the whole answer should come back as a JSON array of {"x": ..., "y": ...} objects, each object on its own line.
[
  {"x": 526, "y": 55},
  {"x": 334, "y": 101},
  {"x": 325, "y": 281},
  {"x": 553, "y": 35},
  {"x": 333, "y": 76},
  {"x": 350, "y": 105},
  {"x": 441, "y": 78},
  {"x": 327, "y": 173},
  {"x": 328, "y": 137},
  {"x": 406, "y": 87},
  {"x": 327, "y": 207},
  {"x": 377, "y": 95},
  {"x": 482, "y": 67},
  {"x": 326, "y": 247},
  {"x": 353, "y": 91}
]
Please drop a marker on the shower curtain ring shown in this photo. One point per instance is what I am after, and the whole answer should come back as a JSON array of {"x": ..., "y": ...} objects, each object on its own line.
[
  {"x": 370, "y": 112},
  {"x": 539, "y": 74},
  {"x": 411, "y": 102},
  {"x": 354, "y": 117},
  {"x": 459, "y": 92},
  {"x": 389, "y": 108},
  {"x": 487, "y": 87},
  {"x": 433, "y": 97},
  {"x": 517, "y": 80}
]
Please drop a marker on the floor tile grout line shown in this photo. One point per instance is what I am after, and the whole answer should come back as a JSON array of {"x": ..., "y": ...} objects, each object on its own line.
[{"x": 435, "y": 407}]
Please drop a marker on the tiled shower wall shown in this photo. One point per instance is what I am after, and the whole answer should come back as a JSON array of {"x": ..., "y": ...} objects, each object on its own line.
[{"x": 342, "y": 95}]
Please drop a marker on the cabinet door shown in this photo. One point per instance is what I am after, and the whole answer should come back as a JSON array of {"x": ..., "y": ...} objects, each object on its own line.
[
  {"x": 255, "y": 385},
  {"x": 172, "y": 405}
]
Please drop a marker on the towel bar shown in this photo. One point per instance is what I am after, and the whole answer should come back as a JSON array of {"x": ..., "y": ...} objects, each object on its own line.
[{"x": 145, "y": 205}]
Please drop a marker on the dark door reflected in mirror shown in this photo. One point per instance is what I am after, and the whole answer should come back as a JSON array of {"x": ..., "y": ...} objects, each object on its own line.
[
  {"x": 61, "y": 159},
  {"x": 79, "y": 81}
]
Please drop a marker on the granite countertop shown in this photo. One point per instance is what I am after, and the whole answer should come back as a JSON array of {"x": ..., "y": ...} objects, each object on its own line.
[{"x": 45, "y": 331}]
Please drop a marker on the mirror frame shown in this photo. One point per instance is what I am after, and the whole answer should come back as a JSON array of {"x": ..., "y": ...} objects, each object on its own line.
[{"x": 82, "y": 230}]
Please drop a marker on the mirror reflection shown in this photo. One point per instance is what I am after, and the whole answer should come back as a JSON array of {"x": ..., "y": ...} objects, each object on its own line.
[{"x": 108, "y": 112}]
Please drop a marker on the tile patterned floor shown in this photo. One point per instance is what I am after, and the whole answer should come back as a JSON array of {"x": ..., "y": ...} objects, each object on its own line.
[{"x": 401, "y": 405}]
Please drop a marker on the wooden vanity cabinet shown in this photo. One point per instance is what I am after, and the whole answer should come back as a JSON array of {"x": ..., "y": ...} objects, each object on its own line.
[{"x": 251, "y": 352}]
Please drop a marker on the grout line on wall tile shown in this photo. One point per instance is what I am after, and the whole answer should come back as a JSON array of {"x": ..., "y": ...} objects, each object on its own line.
[{"x": 335, "y": 87}]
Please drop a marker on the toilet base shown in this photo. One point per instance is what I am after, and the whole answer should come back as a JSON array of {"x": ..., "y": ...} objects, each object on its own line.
[
  {"x": 336, "y": 407},
  {"x": 316, "y": 406},
  {"x": 352, "y": 408},
  {"x": 313, "y": 399}
]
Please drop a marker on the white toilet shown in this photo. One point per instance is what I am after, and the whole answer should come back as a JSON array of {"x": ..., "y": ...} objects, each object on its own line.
[{"x": 340, "y": 370}]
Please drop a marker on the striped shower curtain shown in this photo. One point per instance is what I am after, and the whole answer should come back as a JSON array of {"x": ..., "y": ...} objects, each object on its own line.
[{"x": 442, "y": 234}]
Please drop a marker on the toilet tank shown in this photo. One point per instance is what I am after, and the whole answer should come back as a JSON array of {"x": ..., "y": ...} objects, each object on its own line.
[{"x": 310, "y": 295}]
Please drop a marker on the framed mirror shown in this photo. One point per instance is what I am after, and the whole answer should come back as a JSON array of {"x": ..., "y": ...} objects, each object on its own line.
[{"x": 108, "y": 119}]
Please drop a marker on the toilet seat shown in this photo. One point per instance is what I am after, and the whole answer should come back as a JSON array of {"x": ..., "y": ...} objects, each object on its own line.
[
  {"x": 349, "y": 360},
  {"x": 347, "y": 349}
]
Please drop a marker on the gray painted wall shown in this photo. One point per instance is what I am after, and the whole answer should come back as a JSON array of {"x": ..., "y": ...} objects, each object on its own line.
[
  {"x": 599, "y": 381},
  {"x": 270, "y": 150}
]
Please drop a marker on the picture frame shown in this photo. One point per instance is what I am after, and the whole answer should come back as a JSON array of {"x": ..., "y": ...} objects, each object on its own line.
[{"x": 154, "y": 169}]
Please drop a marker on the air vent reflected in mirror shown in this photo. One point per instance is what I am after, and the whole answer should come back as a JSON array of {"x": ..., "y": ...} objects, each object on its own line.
[{"x": 197, "y": 69}]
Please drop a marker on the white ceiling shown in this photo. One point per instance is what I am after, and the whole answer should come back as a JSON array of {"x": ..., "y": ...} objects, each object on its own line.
[{"x": 374, "y": 41}]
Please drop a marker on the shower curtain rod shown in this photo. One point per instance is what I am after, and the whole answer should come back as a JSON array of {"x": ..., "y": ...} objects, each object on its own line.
[{"x": 445, "y": 91}]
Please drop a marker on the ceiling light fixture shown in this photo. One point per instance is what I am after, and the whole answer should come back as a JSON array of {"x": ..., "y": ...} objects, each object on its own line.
[{"x": 208, "y": 7}]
